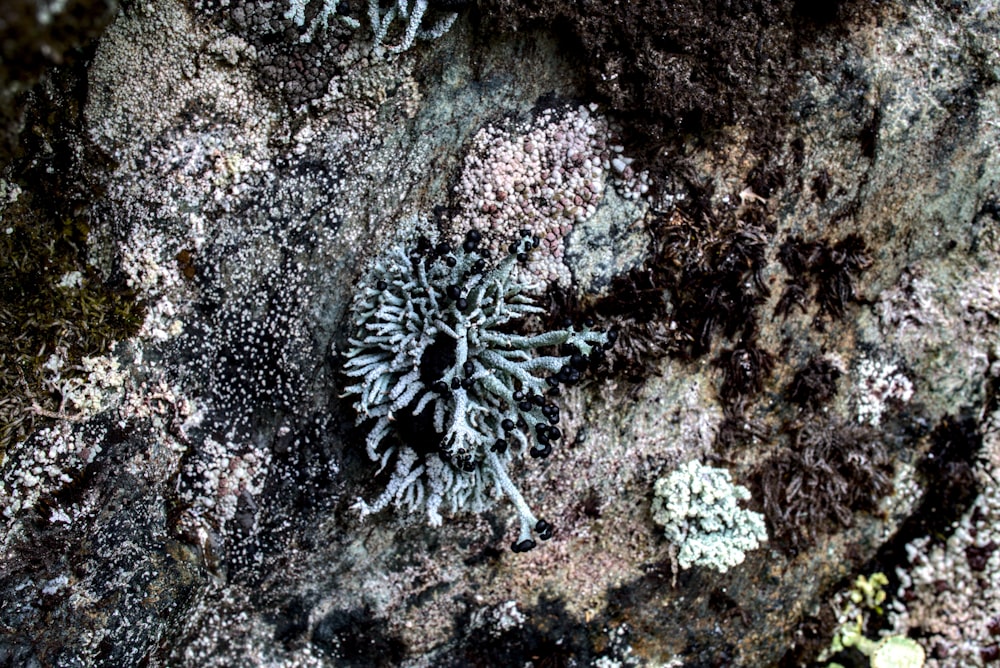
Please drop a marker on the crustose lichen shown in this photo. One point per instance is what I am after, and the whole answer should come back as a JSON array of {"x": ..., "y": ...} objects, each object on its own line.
[{"x": 454, "y": 392}]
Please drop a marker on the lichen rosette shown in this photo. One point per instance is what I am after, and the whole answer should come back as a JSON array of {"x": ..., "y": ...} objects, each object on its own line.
[{"x": 451, "y": 390}]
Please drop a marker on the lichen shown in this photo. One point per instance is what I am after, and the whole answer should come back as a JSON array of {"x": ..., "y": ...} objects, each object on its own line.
[
  {"x": 379, "y": 21},
  {"x": 862, "y": 602},
  {"x": 452, "y": 392},
  {"x": 40, "y": 316},
  {"x": 698, "y": 507},
  {"x": 547, "y": 175}
]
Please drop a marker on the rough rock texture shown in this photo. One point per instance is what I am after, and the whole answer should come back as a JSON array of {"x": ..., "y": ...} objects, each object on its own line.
[{"x": 790, "y": 217}]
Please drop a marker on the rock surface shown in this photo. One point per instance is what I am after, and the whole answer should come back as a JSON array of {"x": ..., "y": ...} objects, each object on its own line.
[{"x": 790, "y": 217}]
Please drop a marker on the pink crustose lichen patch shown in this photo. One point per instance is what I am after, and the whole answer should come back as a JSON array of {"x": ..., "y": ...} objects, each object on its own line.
[{"x": 541, "y": 176}]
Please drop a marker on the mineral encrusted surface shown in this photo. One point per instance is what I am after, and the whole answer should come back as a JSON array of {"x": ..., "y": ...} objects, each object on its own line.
[{"x": 789, "y": 217}]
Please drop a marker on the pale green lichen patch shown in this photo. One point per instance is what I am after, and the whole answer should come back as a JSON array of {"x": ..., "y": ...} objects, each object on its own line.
[{"x": 698, "y": 507}]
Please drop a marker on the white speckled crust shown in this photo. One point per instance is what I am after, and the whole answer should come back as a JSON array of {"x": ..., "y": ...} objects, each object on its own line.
[{"x": 949, "y": 594}]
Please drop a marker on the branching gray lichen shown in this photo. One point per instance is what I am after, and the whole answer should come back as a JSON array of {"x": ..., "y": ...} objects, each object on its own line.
[
  {"x": 453, "y": 392},
  {"x": 413, "y": 14},
  {"x": 411, "y": 11}
]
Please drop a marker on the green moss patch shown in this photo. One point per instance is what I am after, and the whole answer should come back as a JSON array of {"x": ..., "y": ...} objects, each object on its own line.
[{"x": 45, "y": 307}]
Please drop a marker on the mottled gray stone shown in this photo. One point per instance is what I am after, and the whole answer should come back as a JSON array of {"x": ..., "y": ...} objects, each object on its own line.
[{"x": 214, "y": 526}]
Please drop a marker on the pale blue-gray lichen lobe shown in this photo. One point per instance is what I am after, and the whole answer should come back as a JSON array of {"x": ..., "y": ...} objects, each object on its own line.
[{"x": 451, "y": 391}]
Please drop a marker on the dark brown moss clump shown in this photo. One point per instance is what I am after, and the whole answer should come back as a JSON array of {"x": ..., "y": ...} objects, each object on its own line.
[
  {"x": 694, "y": 64},
  {"x": 831, "y": 470},
  {"x": 744, "y": 370},
  {"x": 832, "y": 269},
  {"x": 702, "y": 279},
  {"x": 814, "y": 385}
]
